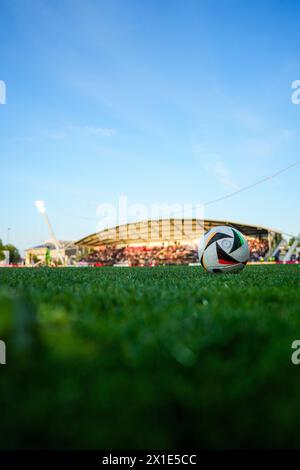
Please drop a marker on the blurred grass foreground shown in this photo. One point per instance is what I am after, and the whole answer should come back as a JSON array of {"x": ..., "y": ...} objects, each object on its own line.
[{"x": 165, "y": 357}]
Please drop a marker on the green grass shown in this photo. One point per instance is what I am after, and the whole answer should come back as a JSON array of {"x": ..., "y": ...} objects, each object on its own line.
[{"x": 149, "y": 357}]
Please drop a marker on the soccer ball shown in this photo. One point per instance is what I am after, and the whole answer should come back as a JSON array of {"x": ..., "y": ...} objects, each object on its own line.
[{"x": 223, "y": 249}]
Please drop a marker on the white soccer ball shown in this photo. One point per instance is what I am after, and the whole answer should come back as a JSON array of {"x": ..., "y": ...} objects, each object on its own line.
[{"x": 223, "y": 249}]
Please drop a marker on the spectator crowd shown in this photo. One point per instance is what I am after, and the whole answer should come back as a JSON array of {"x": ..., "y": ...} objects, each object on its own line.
[
  {"x": 143, "y": 255},
  {"x": 160, "y": 255},
  {"x": 258, "y": 248}
]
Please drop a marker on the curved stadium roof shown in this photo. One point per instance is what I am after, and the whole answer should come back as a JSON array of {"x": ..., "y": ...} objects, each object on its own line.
[{"x": 164, "y": 230}]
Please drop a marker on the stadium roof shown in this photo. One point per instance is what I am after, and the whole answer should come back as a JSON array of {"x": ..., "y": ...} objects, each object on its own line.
[
  {"x": 156, "y": 231},
  {"x": 49, "y": 244}
]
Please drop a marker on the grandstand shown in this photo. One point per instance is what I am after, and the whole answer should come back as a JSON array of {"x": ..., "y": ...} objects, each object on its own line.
[{"x": 165, "y": 241}]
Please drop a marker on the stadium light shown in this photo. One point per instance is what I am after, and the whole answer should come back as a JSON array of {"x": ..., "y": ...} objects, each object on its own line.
[{"x": 40, "y": 205}]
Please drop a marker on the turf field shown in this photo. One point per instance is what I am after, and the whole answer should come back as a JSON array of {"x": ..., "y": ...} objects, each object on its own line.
[{"x": 149, "y": 358}]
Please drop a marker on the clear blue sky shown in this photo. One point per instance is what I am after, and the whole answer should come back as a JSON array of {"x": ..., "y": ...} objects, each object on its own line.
[{"x": 165, "y": 102}]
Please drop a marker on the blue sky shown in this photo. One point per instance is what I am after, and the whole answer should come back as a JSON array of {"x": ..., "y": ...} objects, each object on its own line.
[{"x": 164, "y": 102}]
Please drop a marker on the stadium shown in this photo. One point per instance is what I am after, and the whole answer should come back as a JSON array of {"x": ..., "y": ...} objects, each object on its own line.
[{"x": 167, "y": 242}]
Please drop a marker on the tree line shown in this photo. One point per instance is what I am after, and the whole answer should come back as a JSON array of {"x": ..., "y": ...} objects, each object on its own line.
[{"x": 14, "y": 255}]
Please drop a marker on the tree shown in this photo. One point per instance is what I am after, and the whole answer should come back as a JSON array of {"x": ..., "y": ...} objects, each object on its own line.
[
  {"x": 14, "y": 255},
  {"x": 2, "y": 257},
  {"x": 291, "y": 241}
]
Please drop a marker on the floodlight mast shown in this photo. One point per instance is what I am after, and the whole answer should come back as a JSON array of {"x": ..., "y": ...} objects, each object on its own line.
[{"x": 40, "y": 205}]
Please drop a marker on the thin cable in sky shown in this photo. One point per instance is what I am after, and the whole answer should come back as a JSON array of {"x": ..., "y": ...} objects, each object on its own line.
[
  {"x": 234, "y": 193},
  {"x": 245, "y": 188}
]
